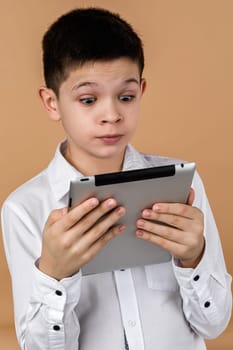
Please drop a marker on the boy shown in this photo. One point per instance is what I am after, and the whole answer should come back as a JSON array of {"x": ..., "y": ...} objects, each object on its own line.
[{"x": 93, "y": 65}]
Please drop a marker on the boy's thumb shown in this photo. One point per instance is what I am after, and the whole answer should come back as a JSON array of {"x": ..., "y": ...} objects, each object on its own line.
[
  {"x": 191, "y": 196},
  {"x": 56, "y": 215}
]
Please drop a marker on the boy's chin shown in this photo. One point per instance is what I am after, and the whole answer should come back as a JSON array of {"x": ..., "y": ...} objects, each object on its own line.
[
  {"x": 110, "y": 152},
  {"x": 109, "y": 160}
]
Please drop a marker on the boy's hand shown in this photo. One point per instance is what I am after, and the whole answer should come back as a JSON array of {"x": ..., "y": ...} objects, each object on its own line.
[
  {"x": 185, "y": 240},
  {"x": 71, "y": 239}
]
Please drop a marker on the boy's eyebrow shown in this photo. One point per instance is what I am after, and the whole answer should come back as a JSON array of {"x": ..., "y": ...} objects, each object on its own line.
[
  {"x": 132, "y": 80},
  {"x": 92, "y": 83},
  {"x": 85, "y": 83}
]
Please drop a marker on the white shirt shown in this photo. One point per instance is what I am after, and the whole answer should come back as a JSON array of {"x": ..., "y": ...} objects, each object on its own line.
[{"x": 161, "y": 307}]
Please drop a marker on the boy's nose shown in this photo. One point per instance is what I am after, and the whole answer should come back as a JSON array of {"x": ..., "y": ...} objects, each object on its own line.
[{"x": 111, "y": 114}]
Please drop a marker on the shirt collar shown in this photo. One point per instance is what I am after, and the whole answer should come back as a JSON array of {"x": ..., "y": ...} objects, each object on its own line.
[
  {"x": 134, "y": 159},
  {"x": 60, "y": 172}
]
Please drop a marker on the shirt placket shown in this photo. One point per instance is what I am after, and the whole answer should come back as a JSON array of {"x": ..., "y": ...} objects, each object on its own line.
[
  {"x": 129, "y": 310},
  {"x": 55, "y": 302}
]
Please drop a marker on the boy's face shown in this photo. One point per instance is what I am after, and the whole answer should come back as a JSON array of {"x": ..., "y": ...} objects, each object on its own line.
[{"x": 99, "y": 106}]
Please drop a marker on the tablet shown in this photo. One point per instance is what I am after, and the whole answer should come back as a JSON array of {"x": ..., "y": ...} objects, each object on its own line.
[{"x": 135, "y": 190}]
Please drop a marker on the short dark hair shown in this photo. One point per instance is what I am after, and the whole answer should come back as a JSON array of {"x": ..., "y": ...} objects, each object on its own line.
[{"x": 85, "y": 35}]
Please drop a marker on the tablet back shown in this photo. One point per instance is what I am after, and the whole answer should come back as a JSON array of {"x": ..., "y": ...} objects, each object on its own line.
[{"x": 136, "y": 190}]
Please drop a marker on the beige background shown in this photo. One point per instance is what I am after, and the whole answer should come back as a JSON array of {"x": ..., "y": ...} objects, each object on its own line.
[{"x": 186, "y": 112}]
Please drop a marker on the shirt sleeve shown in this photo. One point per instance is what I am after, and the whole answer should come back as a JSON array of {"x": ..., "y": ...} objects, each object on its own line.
[
  {"x": 43, "y": 306},
  {"x": 206, "y": 290}
]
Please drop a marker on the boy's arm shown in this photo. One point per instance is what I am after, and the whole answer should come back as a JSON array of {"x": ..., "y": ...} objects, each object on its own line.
[
  {"x": 199, "y": 264},
  {"x": 43, "y": 305},
  {"x": 206, "y": 289}
]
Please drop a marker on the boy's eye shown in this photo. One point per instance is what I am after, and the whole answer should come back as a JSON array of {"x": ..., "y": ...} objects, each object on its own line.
[
  {"x": 126, "y": 98},
  {"x": 88, "y": 100}
]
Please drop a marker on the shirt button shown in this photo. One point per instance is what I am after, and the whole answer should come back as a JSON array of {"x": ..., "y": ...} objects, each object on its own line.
[
  {"x": 58, "y": 292},
  {"x": 207, "y": 304},
  {"x": 56, "y": 328},
  {"x": 132, "y": 323},
  {"x": 196, "y": 278}
]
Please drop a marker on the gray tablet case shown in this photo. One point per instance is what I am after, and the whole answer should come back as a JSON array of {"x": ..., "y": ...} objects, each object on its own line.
[{"x": 136, "y": 190}]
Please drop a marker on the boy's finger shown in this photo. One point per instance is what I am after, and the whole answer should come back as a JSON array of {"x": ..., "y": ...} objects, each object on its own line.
[
  {"x": 183, "y": 210},
  {"x": 90, "y": 252},
  {"x": 87, "y": 213},
  {"x": 95, "y": 215},
  {"x": 78, "y": 212},
  {"x": 191, "y": 196},
  {"x": 56, "y": 215},
  {"x": 86, "y": 239}
]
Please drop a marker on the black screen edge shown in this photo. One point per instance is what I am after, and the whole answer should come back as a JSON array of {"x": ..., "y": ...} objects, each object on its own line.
[{"x": 135, "y": 175}]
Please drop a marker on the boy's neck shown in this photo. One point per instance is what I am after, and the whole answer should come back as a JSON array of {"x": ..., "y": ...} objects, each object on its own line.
[{"x": 91, "y": 166}]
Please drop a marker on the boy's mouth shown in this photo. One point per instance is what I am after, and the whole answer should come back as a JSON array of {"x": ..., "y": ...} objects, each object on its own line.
[{"x": 110, "y": 139}]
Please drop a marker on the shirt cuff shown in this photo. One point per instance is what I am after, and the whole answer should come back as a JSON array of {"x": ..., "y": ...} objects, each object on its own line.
[
  {"x": 194, "y": 278},
  {"x": 53, "y": 293}
]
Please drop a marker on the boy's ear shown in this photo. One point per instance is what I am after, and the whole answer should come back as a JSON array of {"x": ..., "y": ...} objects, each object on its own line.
[
  {"x": 49, "y": 100},
  {"x": 143, "y": 86}
]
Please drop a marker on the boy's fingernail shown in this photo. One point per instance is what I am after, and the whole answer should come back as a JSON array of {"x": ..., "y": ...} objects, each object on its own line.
[
  {"x": 139, "y": 233},
  {"x": 146, "y": 213},
  {"x": 156, "y": 207},
  {"x": 64, "y": 211},
  {"x": 120, "y": 211},
  {"x": 141, "y": 223},
  {"x": 93, "y": 202},
  {"x": 121, "y": 228},
  {"x": 111, "y": 203}
]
